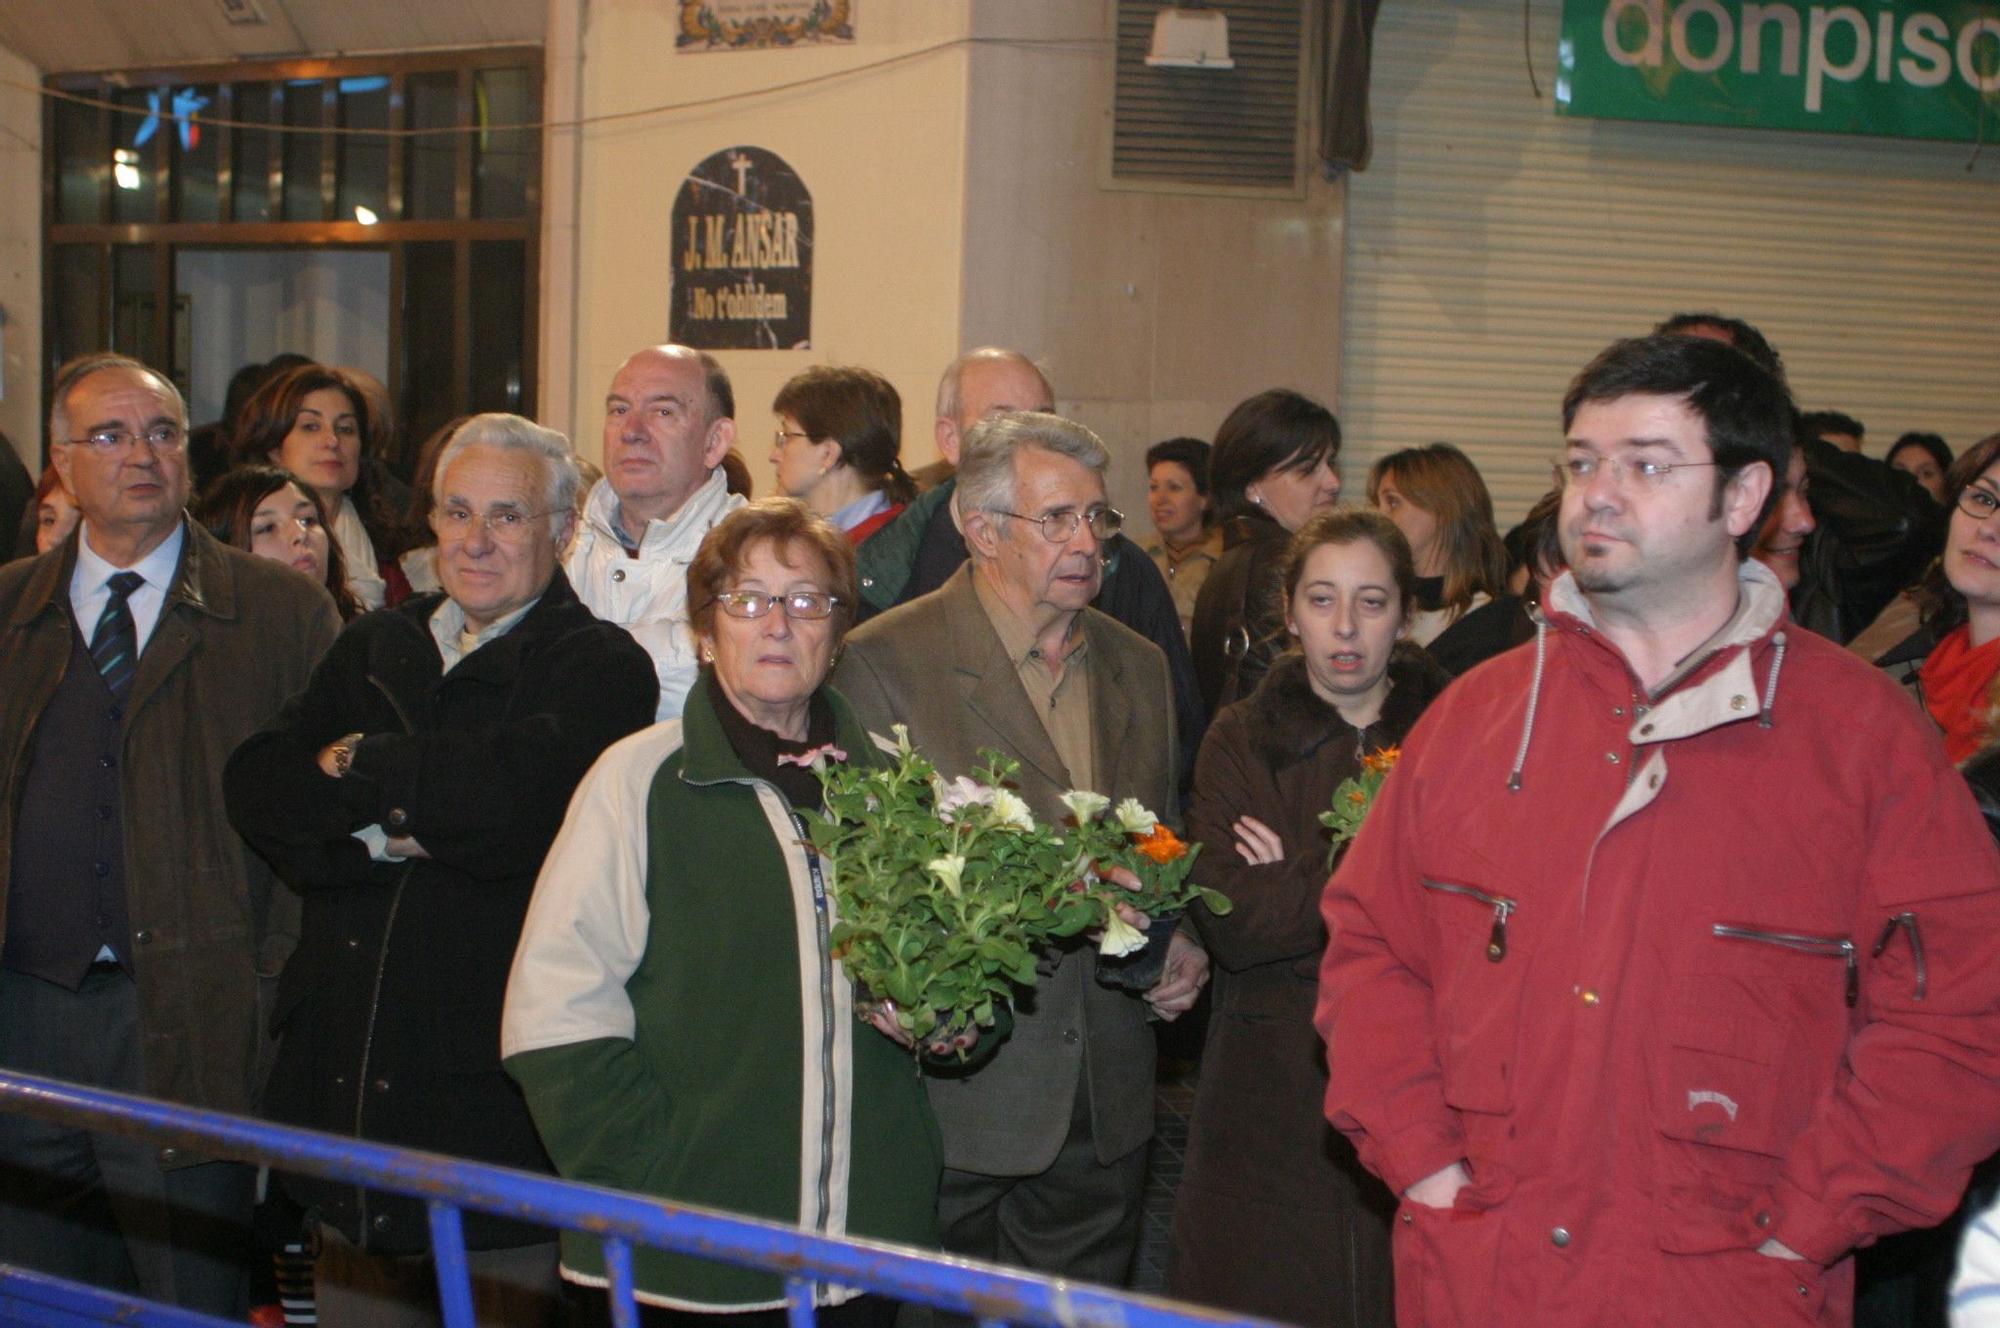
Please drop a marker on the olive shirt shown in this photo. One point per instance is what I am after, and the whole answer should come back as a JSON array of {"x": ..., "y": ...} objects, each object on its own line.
[{"x": 1061, "y": 701}]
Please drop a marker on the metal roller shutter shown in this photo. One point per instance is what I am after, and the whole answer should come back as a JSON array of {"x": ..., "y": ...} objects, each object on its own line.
[{"x": 1494, "y": 247}]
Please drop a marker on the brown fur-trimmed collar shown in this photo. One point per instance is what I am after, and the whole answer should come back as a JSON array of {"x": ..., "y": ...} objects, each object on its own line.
[{"x": 1287, "y": 721}]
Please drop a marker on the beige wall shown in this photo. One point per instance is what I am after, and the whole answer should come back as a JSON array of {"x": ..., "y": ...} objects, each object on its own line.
[
  {"x": 1153, "y": 312},
  {"x": 882, "y": 153},
  {"x": 21, "y": 257}
]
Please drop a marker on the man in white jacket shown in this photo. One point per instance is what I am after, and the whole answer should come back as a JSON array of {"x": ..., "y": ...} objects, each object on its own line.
[{"x": 669, "y": 419}]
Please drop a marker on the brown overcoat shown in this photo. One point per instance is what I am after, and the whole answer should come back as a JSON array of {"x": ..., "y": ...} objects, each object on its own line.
[
  {"x": 1274, "y": 1215},
  {"x": 210, "y": 927}
]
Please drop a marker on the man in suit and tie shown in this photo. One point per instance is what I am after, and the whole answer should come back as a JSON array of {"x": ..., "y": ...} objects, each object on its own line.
[
  {"x": 1045, "y": 1143},
  {"x": 138, "y": 936}
]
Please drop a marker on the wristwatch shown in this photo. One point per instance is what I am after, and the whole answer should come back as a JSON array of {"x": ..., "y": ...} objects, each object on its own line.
[{"x": 343, "y": 753}]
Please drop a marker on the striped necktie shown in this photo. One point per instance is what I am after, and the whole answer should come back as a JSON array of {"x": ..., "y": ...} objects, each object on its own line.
[{"x": 115, "y": 644}]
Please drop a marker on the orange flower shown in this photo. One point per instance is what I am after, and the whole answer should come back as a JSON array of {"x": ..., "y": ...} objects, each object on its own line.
[
  {"x": 1161, "y": 845},
  {"x": 1383, "y": 760},
  {"x": 1358, "y": 798}
]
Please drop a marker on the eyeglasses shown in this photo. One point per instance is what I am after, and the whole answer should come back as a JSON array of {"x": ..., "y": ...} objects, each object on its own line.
[
  {"x": 1649, "y": 474},
  {"x": 109, "y": 442},
  {"x": 1060, "y": 527},
  {"x": 1978, "y": 503},
  {"x": 779, "y": 438},
  {"x": 810, "y": 605},
  {"x": 506, "y": 525}
]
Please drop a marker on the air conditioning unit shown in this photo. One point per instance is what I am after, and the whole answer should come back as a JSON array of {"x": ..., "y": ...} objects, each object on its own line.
[{"x": 1190, "y": 39}]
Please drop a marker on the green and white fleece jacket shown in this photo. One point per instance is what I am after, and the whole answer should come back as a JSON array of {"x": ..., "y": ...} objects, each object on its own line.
[{"x": 681, "y": 1030}]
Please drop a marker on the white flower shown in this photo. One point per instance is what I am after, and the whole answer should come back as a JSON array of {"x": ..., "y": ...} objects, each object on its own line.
[
  {"x": 902, "y": 732},
  {"x": 948, "y": 869},
  {"x": 1134, "y": 819},
  {"x": 1084, "y": 805},
  {"x": 1120, "y": 937},
  {"x": 1010, "y": 809}
]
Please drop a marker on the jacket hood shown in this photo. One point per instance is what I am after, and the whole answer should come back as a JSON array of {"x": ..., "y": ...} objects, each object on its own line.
[
  {"x": 1705, "y": 691},
  {"x": 703, "y": 508},
  {"x": 1287, "y": 721}
]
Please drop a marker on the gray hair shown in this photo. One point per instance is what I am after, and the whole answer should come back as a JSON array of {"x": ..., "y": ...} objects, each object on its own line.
[
  {"x": 948, "y": 396},
  {"x": 511, "y": 433},
  {"x": 74, "y": 371},
  {"x": 986, "y": 463}
]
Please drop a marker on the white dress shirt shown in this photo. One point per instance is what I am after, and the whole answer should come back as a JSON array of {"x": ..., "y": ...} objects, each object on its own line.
[{"x": 90, "y": 584}]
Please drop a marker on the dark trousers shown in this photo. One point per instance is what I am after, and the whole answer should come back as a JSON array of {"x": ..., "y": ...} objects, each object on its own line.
[
  {"x": 1080, "y": 1219},
  {"x": 100, "y": 1208}
]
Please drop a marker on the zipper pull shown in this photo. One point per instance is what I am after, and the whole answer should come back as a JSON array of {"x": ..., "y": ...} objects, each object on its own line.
[
  {"x": 1853, "y": 973},
  {"x": 1496, "y": 942},
  {"x": 1908, "y": 922}
]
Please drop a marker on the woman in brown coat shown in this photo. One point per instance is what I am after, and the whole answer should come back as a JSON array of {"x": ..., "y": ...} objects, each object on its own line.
[{"x": 1275, "y": 1216}]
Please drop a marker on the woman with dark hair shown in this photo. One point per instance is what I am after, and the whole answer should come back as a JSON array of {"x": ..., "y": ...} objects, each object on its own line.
[
  {"x": 1275, "y": 1215},
  {"x": 1951, "y": 664},
  {"x": 1177, "y": 498},
  {"x": 1275, "y": 463},
  {"x": 313, "y": 422},
  {"x": 266, "y": 511},
  {"x": 1953, "y": 659},
  {"x": 1924, "y": 457},
  {"x": 839, "y": 447},
  {"x": 1438, "y": 500},
  {"x": 656, "y": 1017}
]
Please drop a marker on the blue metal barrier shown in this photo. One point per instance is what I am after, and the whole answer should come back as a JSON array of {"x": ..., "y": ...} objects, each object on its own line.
[{"x": 991, "y": 1294}]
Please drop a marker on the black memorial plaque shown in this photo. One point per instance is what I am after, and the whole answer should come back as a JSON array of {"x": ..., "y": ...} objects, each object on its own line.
[{"x": 742, "y": 244}]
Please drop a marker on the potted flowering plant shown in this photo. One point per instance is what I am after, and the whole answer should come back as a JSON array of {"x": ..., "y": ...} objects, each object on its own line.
[{"x": 947, "y": 891}]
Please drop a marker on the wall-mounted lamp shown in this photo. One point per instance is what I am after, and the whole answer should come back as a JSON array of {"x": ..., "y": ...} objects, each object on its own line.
[{"x": 1190, "y": 39}]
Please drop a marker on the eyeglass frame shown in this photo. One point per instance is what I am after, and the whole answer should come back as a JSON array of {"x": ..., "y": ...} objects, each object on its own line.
[
  {"x": 1073, "y": 520},
  {"x": 515, "y": 534},
  {"x": 1968, "y": 491},
  {"x": 783, "y": 436},
  {"x": 1622, "y": 471},
  {"x": 118, "y": 442},
  {"x": 742, "y": 598}
]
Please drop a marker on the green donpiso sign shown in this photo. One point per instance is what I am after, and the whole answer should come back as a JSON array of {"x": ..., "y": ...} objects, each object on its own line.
[{"x": 1896, "y": 68}]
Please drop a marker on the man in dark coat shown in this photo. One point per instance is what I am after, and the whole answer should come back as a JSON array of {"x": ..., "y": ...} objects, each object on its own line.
[
  {"x": 138, "y": 937},
  {"x": 409, "y": 796}
]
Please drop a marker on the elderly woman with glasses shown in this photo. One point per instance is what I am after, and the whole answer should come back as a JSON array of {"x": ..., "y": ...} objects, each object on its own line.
[{"x": 676, "y": 1016}]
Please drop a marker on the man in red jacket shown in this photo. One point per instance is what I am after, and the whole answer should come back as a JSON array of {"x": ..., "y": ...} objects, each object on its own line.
[{"x": 1667, "y": 969}]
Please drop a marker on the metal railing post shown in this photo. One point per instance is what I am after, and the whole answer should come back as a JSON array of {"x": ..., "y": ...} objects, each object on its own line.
[
  {"x": 618, "y": 1271},
  {"x": 454, "y": 1275}
]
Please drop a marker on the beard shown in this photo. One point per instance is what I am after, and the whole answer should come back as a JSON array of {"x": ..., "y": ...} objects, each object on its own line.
[{"x": 1597, "y": 580}]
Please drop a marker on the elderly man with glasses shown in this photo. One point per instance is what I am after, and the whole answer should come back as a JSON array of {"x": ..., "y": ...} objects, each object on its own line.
[
  {"x": 1045, "y": 1144},
  {"x": 137, "y": 933},
  {"x": 409, "y": 796}
]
